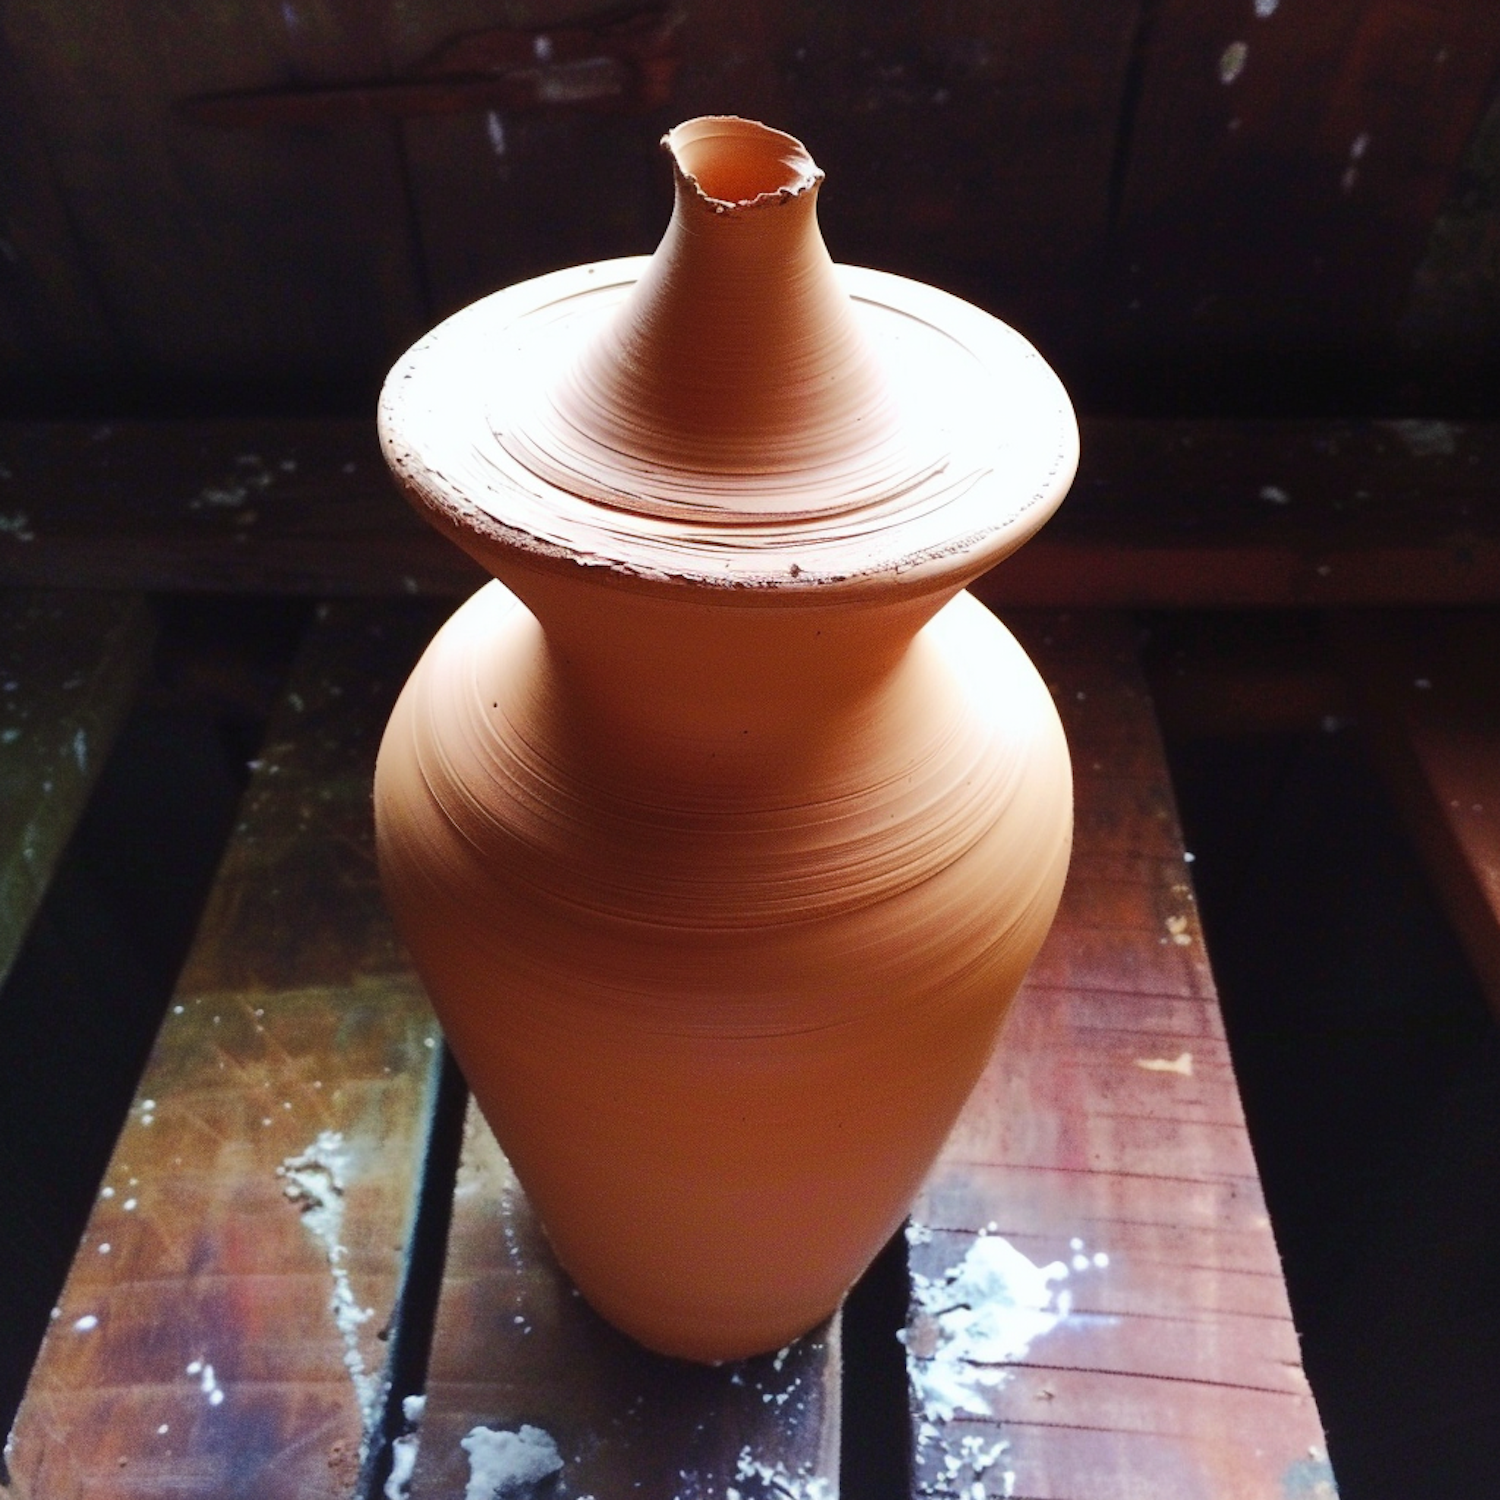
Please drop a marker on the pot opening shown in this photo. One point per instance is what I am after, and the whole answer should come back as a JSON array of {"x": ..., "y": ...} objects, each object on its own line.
[{"x": 738, "y": 162}]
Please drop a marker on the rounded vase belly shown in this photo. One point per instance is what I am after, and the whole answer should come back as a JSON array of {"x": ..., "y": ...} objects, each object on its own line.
[{"x": 721, "y": 1026}]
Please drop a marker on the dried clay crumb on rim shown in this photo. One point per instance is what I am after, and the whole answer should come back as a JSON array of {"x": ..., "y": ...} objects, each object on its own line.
[{"x": 733, "y": 163}]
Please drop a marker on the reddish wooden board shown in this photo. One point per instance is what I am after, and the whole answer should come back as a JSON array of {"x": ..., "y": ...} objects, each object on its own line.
[
  {"x": 223, "y": 1331},
  {"x": 1163, "y": 514},
  {"x": 1098, "y": 1201},
  {"x": 515, "y": 1346},
  {"x": 70, "y": 665},
  {"x": 1429, "y": 688}
]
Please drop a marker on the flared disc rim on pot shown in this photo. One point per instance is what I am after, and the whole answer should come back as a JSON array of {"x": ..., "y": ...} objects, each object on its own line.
[{"x": 984, "y": 448}]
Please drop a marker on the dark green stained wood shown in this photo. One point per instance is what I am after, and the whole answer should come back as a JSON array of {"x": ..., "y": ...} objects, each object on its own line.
[
  {"x": 1142, "y": 1341},
  {"x": 231, "y": 1340},
  {"x": 516, "y": 1346},
  {"x": 70, "y": 665},
  {"x": 250, "y": 260},
  {"x": 1452, "y": 316}
]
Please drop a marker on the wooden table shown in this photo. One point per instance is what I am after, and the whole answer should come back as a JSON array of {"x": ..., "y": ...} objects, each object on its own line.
[{"x": 308, "y": 1263}]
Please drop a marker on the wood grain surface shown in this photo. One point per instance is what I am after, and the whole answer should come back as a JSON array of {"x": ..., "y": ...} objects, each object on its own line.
[
  {"x": 497, "y": 196},
  {"x": 1163, "y": 514},
  {"x": 70, "y": 665},
  {"x": 515, "y": 1345},
  {"x": 52, "y": 320},
  {"x": 225, "y": 1328},
  {"x": 1429, "y": 686},
  {"x": 1142, "y": 1347},
  {"x": 1191, "y": 205},
  {"x": 237, "y": 258},
  {"x": 1286, "y": 165}
]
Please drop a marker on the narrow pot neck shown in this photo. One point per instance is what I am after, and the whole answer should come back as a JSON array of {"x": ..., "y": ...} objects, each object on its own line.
[
  {"x": 737, "y": 355},
  {"x": 693, "y": 694}
]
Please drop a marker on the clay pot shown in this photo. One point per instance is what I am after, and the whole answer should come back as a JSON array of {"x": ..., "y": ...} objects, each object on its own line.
[{"x": 722, "y": 830}]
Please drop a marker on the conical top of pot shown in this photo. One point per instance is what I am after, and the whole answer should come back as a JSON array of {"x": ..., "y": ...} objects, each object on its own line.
[
  {"x": 733, "y": 412},
  {"x": 735, "y": 383}
]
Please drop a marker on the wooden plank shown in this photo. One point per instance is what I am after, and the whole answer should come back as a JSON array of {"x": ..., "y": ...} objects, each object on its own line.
[
  {"x": 900, "y": 108},
  {"x": 1237, "y": 673},
  {"x": 1163, "y": 514},
  {"x": 1429, "y": 693},
  {"x": 500, "y": 196},
  {"x": 224, "y": 1330},
  {"x": 1098, "y": 1308},
  {"x": 289, "y": 507},
  {"x": 243, "y": 260},
  {"x": 516, "y": 1346},
  {"x": 1287, "y": 164},
  {"x": 70, "y": 665},
  {"x": 52, "y": 323},
  {"x": 1183, "y": 514},
  {"x": 905, "y": 108}
]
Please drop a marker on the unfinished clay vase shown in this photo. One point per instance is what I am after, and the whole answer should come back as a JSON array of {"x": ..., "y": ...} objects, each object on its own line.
[{"x": 723, "y": 828}]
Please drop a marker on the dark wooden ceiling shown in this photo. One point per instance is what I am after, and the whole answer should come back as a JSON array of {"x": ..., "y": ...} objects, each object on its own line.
[{"x": 1192, "y": 206}]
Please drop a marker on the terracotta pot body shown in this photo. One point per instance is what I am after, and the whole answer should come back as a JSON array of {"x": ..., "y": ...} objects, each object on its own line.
[{"x": 723, "y": 828}]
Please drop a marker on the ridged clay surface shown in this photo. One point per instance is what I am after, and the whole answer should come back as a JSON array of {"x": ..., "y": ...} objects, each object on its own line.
[
  {"x": 721, "y": 1022},
  {"x": 724, "y": 828}
]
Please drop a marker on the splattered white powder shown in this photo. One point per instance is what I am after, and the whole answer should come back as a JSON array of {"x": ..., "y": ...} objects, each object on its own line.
[
  {"x": 207, "y": 1381},
  {"x": 500, "y": 1462},
  {"x": 315, "y": 1180},
  {"x": 1426, "y": 439},
  {"x": 1232, "y": 62},
  {"x": 986, "y": 1312},
  {"x": 404, "y": 1449},
  {"x": 403, "y": 1462},
  {"x": 1182, "y": 1064},
  {"x": 778, "y": 1481},
  {"x": 969, "y": 1460},
  {"x": 980, "y": 1316}
]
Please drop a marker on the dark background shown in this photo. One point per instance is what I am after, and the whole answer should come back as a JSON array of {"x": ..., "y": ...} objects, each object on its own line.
[
  {"x": 1236, "y": 208},
  {"x": 1243, "y": 207}
]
